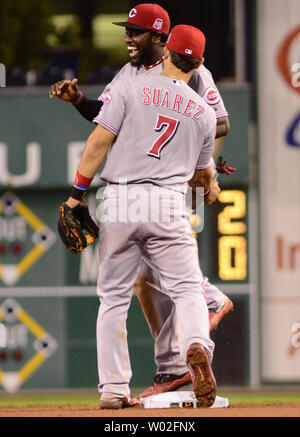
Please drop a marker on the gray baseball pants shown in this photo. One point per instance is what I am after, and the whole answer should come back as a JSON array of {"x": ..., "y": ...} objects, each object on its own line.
[{"x": 171, "y": 249}]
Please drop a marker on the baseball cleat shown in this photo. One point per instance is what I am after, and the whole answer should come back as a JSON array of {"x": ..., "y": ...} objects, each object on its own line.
[
  {"x": 111, "y": 401},
  {"x": 203, "y": 380},
  {"x": 164, "y": 382},
  {"x": 216, "y": 316}
]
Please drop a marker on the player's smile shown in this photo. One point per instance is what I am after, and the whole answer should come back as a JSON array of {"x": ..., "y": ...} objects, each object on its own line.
[
  {"x": 133, "y": 51},
  {"x": 137, "y": 41}
]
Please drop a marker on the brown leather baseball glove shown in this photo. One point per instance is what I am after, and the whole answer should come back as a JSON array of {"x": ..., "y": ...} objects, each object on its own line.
[{"x": 71, "y": 225}]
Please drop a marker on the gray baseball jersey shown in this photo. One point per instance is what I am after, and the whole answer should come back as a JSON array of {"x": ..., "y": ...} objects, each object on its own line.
[
  {"x": 201, "y": 82},
  {"x": 146, "y": 114}
]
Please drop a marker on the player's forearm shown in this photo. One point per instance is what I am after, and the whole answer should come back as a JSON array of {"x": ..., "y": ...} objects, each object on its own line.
[
  {"x": 92, "y": 157},
  {"x": 88, "y": 108},
  {"x": 95, "y": 151},
  {"x": 223, "y": 127}
]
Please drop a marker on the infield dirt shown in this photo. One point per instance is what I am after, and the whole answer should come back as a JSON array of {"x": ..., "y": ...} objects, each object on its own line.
[{"x": 282, "y": 410}]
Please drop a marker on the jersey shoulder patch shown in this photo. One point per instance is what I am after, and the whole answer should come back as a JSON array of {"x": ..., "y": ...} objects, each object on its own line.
[
  {"x": 107, "y": 99},
  {"x": 211, "y": 96}
]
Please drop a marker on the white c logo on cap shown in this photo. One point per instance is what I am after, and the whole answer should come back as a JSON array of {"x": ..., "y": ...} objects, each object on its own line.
[{"x": 132, "y": 13}]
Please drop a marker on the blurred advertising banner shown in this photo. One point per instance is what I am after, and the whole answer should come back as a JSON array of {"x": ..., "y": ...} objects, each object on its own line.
[{"x": 279, "y": 138}]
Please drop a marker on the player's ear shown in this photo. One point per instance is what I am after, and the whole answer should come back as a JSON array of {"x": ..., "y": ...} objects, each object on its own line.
[
  {"x": 156, "y": 37},
  {"x": 166, "y": 52}
]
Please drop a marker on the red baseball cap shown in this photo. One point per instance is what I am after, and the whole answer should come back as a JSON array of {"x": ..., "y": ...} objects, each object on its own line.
[
  {"x": 187, "y": 40},
  {"x": 147, "y": 16}
]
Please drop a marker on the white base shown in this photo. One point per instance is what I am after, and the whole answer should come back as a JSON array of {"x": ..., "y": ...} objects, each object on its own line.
[{"x": 185, "y": 399}]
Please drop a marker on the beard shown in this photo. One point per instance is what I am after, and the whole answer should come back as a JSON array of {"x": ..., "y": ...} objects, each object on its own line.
[{"x": 146, "y": 56}]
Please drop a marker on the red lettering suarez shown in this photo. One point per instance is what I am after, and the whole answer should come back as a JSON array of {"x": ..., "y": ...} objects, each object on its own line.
[{"x": 175, "y": 102}]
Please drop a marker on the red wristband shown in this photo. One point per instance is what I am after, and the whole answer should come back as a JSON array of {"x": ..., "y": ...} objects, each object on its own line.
[
  {"x": 79, "y": 99},
  {"x": 206, "y": 193},
  {"x": 80, "y": 185},
  {"x": 81, "y": 182}
]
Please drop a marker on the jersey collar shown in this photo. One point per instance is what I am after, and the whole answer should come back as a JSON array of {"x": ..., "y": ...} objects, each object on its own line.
[{"x": 148, "y": 67}]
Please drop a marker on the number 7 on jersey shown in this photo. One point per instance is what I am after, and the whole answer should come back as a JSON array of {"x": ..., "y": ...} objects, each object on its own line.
[{"x": 171, "y": 125}]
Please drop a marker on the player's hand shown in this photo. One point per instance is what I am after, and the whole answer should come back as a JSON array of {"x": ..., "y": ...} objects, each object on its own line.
[
  {"x": 72, "y": 203},
  {"x": 66, "y": 90},
  {"x": 213, "y": 194}
]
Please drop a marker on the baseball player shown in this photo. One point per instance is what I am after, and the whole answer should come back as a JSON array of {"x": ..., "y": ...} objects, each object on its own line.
[
  {"x": 146, "y": 32},
  {"x": 165, "y": 133}
]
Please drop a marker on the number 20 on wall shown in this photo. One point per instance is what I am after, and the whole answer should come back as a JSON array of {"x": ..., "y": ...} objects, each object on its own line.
[{"x": 232, "y": 244}]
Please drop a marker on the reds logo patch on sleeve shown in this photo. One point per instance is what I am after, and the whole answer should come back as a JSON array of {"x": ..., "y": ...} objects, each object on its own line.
[
  {"x": 108, "y": 99},
  {"x": 211, "y": 96},
  {"x": 105, "y": 100}
]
